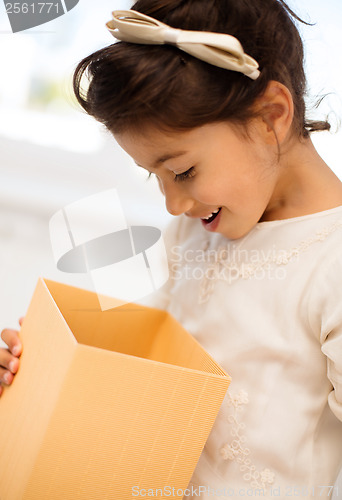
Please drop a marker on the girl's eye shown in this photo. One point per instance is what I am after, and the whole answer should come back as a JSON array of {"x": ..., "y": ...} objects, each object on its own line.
[{"x": 185, "y": 175}]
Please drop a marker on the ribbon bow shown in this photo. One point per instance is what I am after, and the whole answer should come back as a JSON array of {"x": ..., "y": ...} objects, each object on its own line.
[{"x": 218, "y": 49}]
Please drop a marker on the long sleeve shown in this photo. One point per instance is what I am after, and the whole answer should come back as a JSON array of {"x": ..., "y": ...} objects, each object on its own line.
[
  {"x": 331, "y": 335},
  {"x": 326, "y": 314}
]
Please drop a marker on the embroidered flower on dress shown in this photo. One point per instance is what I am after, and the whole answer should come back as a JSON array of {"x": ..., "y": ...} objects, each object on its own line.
[
  {"x": 236, "y": 449},
  {"x": 228, "y": 452},
  {"x": 267, "y": 476},
  {"x": 241, "y": 398}
]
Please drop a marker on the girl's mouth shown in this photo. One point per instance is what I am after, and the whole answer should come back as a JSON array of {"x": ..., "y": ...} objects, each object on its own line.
[{"x": 211, "y": 223}]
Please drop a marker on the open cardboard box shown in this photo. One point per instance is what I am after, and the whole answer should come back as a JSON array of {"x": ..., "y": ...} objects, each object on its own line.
[{"x": 104, "y": 401}]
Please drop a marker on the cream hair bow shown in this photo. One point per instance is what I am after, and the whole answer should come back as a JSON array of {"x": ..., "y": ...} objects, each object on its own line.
[{"x": 218, "y": 49}]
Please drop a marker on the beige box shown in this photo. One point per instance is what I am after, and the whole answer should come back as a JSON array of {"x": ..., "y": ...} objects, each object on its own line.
[{"x": 106, "y": 403}]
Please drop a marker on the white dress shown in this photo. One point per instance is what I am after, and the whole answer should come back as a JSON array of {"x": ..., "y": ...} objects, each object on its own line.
[{"x": 268, "y": 308}]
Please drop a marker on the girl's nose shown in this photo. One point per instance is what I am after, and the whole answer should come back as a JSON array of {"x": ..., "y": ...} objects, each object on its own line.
[{"x": 176, "y": 200}]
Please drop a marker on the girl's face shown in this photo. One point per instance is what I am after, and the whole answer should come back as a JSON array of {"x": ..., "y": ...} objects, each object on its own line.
[{"x": 210, "y": 168}]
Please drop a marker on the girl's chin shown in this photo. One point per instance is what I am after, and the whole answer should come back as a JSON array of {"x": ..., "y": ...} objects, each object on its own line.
[{"x": 230, "y": 231}]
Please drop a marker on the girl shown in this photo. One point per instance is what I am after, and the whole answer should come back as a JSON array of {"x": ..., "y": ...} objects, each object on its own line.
[{"x": 255, "y": 249}]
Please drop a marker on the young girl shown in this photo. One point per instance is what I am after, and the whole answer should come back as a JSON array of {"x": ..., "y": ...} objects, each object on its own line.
[{"x": 255, "y": 249}]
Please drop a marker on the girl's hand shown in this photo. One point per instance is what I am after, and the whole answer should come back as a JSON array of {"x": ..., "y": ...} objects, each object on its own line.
[{"x": 9, "y": 362}]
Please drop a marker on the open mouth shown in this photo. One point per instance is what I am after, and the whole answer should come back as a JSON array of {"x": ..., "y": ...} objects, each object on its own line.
[{"x": 212, "y": 216}]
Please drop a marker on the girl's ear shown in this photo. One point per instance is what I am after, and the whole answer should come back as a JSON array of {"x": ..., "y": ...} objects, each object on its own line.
[{"x": 276, "y": 109}]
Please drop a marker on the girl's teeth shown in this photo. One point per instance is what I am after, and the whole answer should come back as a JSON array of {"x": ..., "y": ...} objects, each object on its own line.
[{"x": 214, "y": 212}]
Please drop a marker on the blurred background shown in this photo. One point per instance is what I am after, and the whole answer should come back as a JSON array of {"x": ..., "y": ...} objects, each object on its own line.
[{"x": 53, "y": 154}]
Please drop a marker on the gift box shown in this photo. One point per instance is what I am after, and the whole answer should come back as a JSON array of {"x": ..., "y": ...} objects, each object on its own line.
[{"x": 106, "y": 404}]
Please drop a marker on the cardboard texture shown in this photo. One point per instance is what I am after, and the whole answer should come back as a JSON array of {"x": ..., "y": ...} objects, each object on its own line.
[{"x": 104, "y": 401}]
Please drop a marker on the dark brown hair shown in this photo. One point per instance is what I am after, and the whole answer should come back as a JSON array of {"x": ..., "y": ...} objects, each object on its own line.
[{"x": 132, "y": 85}]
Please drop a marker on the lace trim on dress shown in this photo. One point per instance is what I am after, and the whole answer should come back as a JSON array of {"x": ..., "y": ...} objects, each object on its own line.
[
  {"x": 222, "y": 267},
  {"x": 237, "y": 449}
]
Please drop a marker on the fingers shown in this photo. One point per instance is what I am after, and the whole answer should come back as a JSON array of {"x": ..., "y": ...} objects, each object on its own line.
[
  {"x": 21, "y": 320},
  {"x": 9, "y": 362},
  {"x": 11, "y": 338},
  {"x": 6, "y": 377},
  {"x": 9, "y": 366}
]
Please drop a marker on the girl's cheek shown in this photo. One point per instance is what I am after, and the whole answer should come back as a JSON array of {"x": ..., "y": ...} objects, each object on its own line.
[{"x": 209, "y": 194}]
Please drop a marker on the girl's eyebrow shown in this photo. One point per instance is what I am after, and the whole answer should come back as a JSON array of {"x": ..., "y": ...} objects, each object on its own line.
[{"x": 165, "y": 158}]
